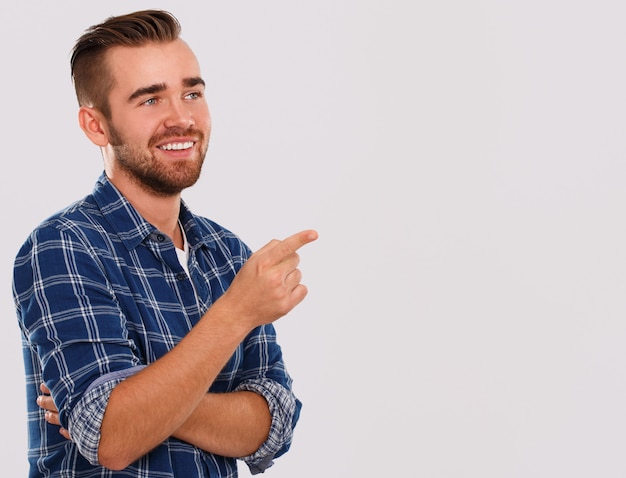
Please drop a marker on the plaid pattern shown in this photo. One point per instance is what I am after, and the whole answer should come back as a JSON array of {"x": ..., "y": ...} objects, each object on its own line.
[{"x": 100, "y": 293}]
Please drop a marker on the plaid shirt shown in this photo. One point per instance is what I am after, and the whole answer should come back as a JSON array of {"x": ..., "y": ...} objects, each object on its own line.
[{"x": 100, "y": 294}]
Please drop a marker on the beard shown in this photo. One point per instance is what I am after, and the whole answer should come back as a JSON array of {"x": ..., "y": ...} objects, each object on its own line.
[{"x": 163, "y": 178}]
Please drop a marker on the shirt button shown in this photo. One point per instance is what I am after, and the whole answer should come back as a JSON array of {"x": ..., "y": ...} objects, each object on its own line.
[{"x": 160, "y": 237}]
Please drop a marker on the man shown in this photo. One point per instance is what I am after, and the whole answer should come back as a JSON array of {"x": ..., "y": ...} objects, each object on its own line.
[{"x": 148, "y": 340}]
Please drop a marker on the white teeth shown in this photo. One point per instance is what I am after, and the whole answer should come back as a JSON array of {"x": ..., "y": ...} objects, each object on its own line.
[{"x": 177, "y": 146}]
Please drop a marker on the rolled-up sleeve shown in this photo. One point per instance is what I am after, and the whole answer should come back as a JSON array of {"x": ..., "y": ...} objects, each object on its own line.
[
  {"x": 86, "y": 417},
  {"x": 285, "y": 410}
]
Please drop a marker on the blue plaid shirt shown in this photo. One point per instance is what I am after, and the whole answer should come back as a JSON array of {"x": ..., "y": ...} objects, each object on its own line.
[{"x": 100, "y": 293}]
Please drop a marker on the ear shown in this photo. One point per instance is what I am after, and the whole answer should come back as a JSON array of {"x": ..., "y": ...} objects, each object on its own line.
[{"x": 93, "y": 123}]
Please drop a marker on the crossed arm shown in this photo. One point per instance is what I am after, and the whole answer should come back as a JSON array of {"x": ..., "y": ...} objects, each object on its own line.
[
  {"x": 138, "y": 418},
  {"x": 231, "y": 424}
]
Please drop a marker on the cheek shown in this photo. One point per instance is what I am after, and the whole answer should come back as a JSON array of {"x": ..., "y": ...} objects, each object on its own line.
[
  {"x": 202, "y": 117},
  {"x": 136, "y": 130},
  {"x": 141, "y": 133}
]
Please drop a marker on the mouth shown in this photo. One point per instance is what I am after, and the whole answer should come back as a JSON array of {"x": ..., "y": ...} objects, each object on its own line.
[{"x": 176, "y": 146}]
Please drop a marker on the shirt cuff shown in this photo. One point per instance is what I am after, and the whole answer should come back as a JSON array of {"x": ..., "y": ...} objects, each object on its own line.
[
  {"x": 285, "y": 410},
  {"x": 85, "y": 420}
]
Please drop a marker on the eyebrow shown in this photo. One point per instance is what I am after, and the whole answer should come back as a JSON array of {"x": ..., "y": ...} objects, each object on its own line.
[
  {"x": 160, "y": 87},
  {"x": 195, "y": 81},
  {"x": 147, "y": 90}
]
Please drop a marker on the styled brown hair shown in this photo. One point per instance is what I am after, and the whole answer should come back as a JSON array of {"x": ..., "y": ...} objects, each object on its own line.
[{"x": 90, "y": 73}]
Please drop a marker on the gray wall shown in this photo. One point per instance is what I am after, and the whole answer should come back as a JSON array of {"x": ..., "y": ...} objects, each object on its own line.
[{"x": 464, "y": 164}]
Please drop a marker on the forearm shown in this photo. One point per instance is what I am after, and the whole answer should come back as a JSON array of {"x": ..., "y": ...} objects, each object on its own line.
[
  {"x": 229, "y": 424},
  {"x": 137, "y": 419}
]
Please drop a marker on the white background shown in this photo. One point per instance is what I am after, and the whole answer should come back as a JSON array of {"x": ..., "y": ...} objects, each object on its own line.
[{"x": 463, "y": 162}]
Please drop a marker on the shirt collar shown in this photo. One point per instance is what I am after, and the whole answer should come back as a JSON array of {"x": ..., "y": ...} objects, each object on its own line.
[{"x": 131, "y": 227}]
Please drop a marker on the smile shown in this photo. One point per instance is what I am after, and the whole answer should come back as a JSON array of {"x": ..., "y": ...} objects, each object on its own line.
[{"x": 176, "y": 146}]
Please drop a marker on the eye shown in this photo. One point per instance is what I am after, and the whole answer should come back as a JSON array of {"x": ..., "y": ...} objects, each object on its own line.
[
  {"x": 194, "y": 95},
  {"x": 150, "y": 102}
]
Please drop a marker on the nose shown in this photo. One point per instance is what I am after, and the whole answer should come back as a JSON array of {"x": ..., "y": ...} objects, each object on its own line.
[{"x": 178, "y": 114}]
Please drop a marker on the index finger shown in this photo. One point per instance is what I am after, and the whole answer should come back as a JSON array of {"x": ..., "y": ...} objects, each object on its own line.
[{"x": 290, "y": 245}]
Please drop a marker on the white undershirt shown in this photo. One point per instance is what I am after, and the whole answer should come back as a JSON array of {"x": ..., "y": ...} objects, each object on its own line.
[
  {"x": 183, "y": 255},
  {"x": 183, "y": 258}
]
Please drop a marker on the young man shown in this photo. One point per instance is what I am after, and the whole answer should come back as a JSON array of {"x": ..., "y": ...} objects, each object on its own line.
[{"x": 148, "y": 340}]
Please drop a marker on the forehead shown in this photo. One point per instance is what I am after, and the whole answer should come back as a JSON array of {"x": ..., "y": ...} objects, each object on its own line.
[{"x": 154, "y": 63}]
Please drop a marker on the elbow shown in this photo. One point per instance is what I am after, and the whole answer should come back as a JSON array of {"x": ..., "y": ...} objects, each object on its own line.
[
  {"x": 113, "y": 459},
  {"x": 114, "y": 463}
]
